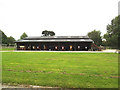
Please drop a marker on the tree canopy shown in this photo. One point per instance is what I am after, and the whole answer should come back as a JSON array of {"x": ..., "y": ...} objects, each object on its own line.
[
  {"x": 48, "y": 33},
  {"x": 95, "y": 36},
  {"x": 51, "y": 33},
  {"x": 113, "y": 32},
  {"x": 11, "y": 40},
  {"x": 5, "y": 39},
  {"x": 23, "y": 35}
]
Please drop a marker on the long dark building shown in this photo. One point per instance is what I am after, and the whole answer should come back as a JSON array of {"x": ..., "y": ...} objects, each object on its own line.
[{"x": 55, "y": 43}]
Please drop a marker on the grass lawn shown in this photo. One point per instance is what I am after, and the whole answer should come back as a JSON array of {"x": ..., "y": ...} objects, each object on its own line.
[
  {"x": 7, "y": 49},
  {"x": 57, "y": 69}
]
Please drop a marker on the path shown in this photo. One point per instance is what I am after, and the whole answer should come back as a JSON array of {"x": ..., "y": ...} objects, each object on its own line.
[{"x": 103, "y": 51}]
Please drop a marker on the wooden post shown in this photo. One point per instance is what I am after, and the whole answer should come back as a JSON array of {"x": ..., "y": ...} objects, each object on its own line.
[{"x": 75, "y": 46}]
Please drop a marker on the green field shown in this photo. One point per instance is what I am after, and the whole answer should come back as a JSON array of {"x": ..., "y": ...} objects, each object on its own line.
[
  {"x": 7, "y": 49},
  {"x": 57, "y": 69}
]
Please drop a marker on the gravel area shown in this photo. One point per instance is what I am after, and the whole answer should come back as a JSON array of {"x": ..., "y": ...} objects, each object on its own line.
[{"x": 103, "y": 51}]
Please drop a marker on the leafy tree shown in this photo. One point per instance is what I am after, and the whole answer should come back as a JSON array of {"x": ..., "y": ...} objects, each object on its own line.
[
  {"x": 48, "y": 33},
  {"x": 23, "y": 35},
  {"x": 113, "y": 31},
  {"x": 45, "y": 33},
  {"x": 95, "y": 36},
  {"x": 11, "y": 40},
  {"x": 4, "y": 37},
  {"x": 51, "y": 33}
]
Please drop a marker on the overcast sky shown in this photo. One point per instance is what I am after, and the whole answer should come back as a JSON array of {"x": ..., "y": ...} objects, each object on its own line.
[{"x": 64, "y": 17}]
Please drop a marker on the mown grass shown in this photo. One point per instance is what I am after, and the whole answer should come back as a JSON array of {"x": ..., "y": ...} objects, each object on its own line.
[
  {"x": 66, "y": 70},
  {"x": 7, "y": 49}
]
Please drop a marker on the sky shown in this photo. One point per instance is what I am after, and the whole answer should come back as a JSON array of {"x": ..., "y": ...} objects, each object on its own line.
[{"x": 64, "y": 17}]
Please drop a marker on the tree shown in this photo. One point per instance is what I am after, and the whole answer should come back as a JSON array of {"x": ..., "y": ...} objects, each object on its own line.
[
  {"x": 95, "y": 36},
  {"x": 48, "y": 33},
  {"x": 11, "y": 40},
  {"x": 51, "y": 33},
  {"x": 45, "y": 33},
  {"x": 4, "y": 37},
  {"x": 23, "y": 35},
  {"x": 113, "y": 31}
]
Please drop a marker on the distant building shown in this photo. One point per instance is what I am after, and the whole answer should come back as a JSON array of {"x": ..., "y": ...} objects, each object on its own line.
[{"x": 55, "y": 43}]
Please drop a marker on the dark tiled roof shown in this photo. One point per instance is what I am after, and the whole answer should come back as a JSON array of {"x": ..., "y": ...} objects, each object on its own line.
[{"x": 56, "y": 39}]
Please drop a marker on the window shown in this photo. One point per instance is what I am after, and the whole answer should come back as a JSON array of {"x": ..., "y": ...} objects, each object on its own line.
[
  {"x": 62, "y": 47},
  {"x": 44, "y": 47},
  {"x": 78, "y": 46},
  {"x": 22, "y": 46},
  {"x": 33, "y": 47},
  {"x": 56, "y": 47},
  {"x": 37, "y": 47},
  {"x": 70, "y": 47}
]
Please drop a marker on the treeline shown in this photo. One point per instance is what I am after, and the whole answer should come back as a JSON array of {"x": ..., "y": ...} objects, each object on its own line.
[
  {"x": 6, "y": 40},
  {"x": 9, "y": 40},
  {"x": 111, "y": 38}
]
